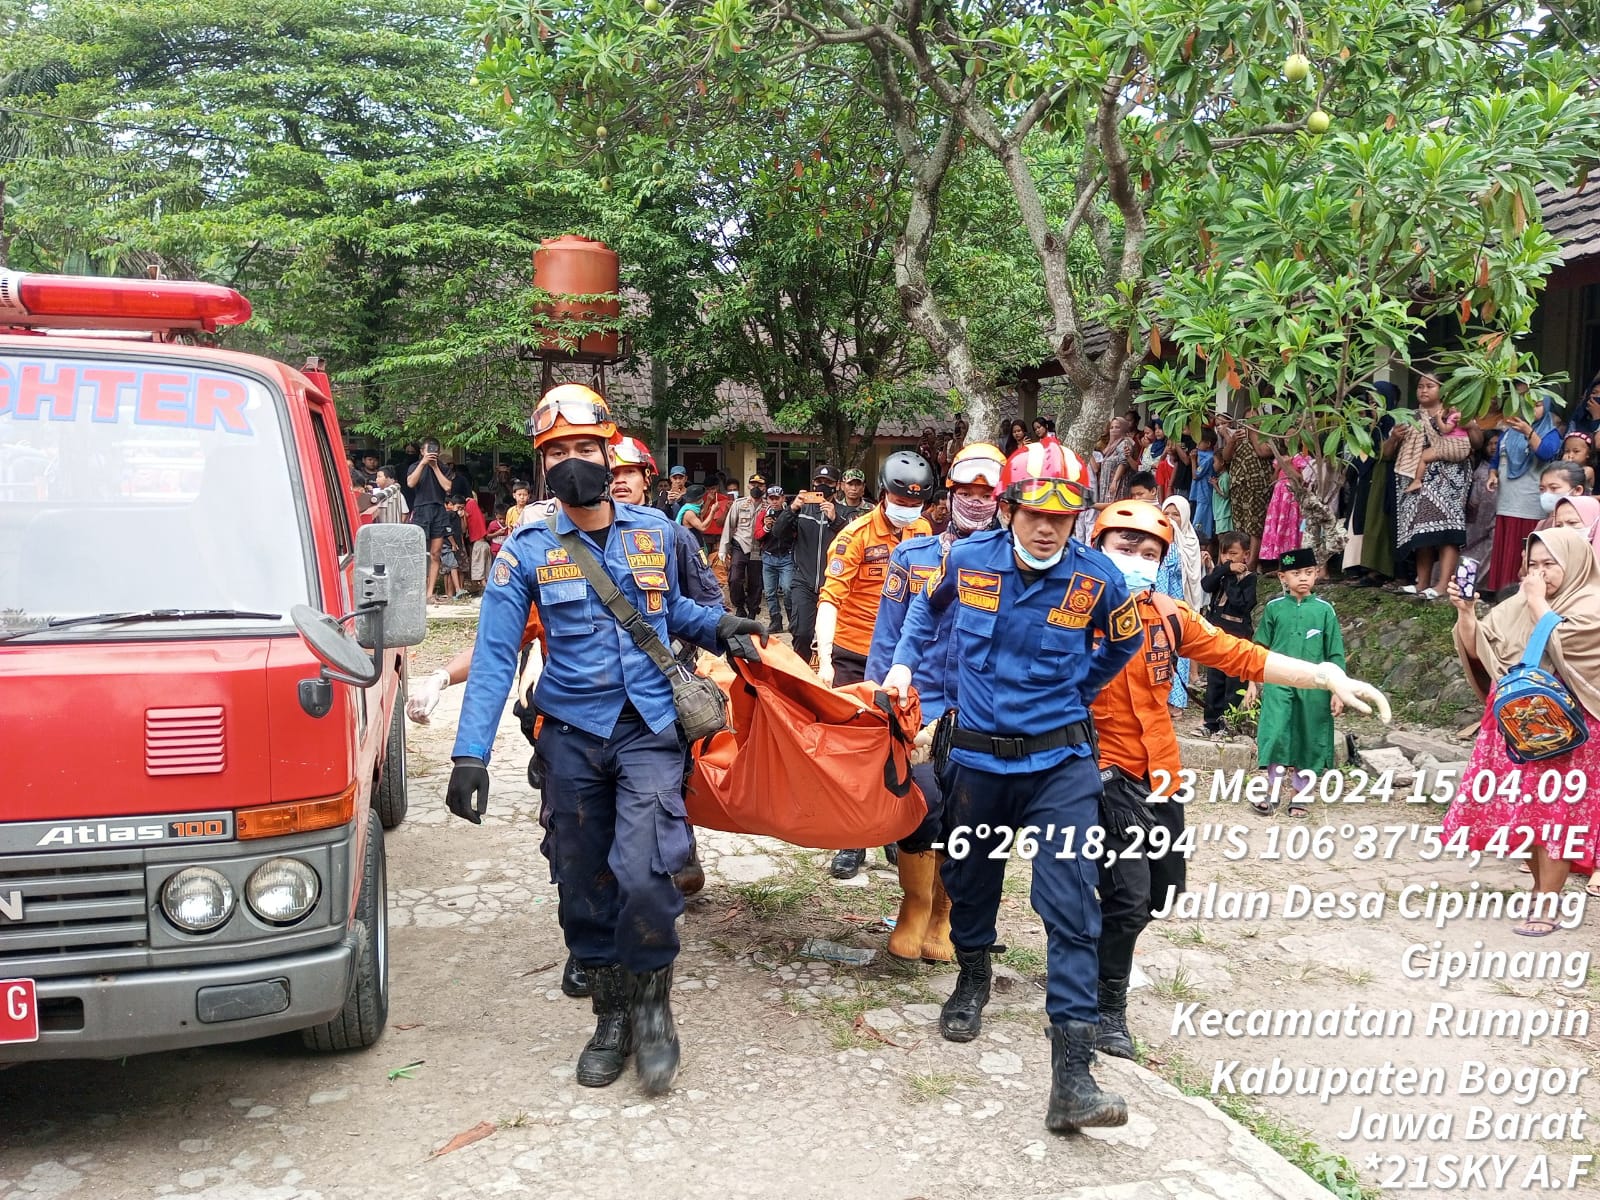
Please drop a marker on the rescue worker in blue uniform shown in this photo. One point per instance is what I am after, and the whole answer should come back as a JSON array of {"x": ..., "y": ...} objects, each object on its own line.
[
  {"x": 1029, "y": 604},
  {"x": 613, "y": 754},
  {"x": 922, "y": 929}
]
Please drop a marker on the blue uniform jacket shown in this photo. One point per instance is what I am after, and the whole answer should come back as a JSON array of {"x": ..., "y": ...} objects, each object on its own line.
[
  {"x": 914, "y": 564},
  {"x": 695, "y": 576},
  {"x": 593, "y": 667},
  {"x": 1038, "y": 668}
]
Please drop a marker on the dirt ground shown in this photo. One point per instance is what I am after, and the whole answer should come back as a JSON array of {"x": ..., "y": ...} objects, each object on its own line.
[{"x": 801, "y": 1077}]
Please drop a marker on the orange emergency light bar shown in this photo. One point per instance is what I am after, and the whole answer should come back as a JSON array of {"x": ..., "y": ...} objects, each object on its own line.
[
  {"x": 92, "y": 302},
  {"x": 297, "y": 816}
]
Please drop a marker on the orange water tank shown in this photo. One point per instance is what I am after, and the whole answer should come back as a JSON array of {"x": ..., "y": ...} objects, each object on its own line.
[{"x": 569, "y": 267}]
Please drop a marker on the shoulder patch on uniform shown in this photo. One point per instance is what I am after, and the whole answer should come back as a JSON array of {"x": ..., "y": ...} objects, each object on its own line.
[
  {"x": 501, "y": 573},
  {"x": 1125, "y": 622},
  {"x": 836, "y": 567},
  {"x": 895, "y": 585}
]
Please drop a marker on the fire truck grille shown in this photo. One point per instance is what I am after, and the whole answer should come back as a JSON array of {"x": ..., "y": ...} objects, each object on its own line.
[
  {"x": 71, "y": 910},
  {"x": 183, "y": 741}
]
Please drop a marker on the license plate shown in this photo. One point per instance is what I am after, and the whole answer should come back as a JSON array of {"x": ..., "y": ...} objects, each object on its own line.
[{"x": 19, "y": 1011}]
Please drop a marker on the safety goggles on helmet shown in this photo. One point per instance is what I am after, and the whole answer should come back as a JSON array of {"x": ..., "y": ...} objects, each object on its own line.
[
  {"x": 975, "y": 470},
  {"x": 1048, "y": 495},
  {"x": 574, "y": 409}
]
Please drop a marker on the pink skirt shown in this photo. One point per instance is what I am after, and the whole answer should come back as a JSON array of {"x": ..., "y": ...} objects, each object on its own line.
[{"x": 1282, "y": 532}]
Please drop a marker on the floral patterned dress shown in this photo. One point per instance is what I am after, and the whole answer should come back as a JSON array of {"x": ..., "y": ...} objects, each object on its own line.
[{"x": 1282, "y": 532}]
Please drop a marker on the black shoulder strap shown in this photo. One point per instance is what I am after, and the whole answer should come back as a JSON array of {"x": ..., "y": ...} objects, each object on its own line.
[{"x": 611, "y": 596}]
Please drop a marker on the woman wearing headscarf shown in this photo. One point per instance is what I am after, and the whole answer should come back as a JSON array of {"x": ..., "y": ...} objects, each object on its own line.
[
  {"x": 1525, "y": 446},
  {"x": 1250, "y": 478},
  {"x": 1562, "y": 576},
  {"x": 1179, "y": 577},
  {"x": 1378, "y": 518},
  {"x": 1431, "y": 509},
  {"x": 1581, "y": 513}
]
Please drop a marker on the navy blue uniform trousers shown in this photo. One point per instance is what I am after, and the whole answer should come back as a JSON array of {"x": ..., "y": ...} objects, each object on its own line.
[
  {"x": 1066, "y": 795},
  {"x": 618, "y": 832}
]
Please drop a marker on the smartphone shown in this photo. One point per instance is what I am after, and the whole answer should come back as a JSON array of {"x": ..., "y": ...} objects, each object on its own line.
[
  {"x": 1467, "y": 578},
  {"x": 811, "y": 497}
]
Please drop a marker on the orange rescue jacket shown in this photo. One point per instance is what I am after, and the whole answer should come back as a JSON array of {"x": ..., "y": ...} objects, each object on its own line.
[
  {"x": 858, "y": 563},
  {"x": 1130, "y": 713}
]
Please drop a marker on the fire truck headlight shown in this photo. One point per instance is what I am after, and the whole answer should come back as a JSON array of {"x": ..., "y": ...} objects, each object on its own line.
[
  {"x": 281, "y": 891},
  {"x": 197, "y": 899}
]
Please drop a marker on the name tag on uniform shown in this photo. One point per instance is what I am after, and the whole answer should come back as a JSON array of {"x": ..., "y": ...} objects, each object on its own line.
[
  {"x": 559, "y": 573},
  {"x": 987, "y": 601},
  {"x": 1066, "y": 619}
]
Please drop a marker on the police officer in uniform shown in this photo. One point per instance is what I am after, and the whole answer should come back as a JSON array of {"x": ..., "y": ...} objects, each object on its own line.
[
  {"x": 612, "y": 752},
  {"x": 1042, "y": 623}
]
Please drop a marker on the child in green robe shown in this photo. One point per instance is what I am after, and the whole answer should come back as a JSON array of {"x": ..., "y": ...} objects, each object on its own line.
[{"x": 1295, "y": 729}]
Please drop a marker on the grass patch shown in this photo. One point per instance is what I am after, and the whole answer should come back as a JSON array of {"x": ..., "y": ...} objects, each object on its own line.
[
  {"x": 933, "y": 1085},
  {"x": 1189, "y": 934},
  {"x": 1333, "y": 1171},
  {"x": 1180, "y": 987},
  {"x": 1360, "y": 976},
  {"x": 1024, "y": 960},
  {"x": 838, "y": 1017},
  {"x": 776, "y": 897}
]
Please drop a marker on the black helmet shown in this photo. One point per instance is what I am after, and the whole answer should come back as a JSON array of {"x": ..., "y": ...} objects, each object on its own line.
[{"x": 908, "y": 476}]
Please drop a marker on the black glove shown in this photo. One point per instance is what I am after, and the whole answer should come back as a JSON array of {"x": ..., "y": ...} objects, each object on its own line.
[
  {"x": 468, "y": 793},
  {"x": 735, "y": 633}
]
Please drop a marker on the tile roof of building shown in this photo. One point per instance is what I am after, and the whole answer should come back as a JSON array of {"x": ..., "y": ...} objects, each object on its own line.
[{"x": 1572, "y": 217}]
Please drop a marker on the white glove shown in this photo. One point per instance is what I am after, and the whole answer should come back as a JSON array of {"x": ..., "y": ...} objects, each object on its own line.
[
  {"x": 898, "y": 683},
  {"x": 423, "y": 696},
  {"x": 827, "y": 625},
  {"x": 1355, "y": 693}
]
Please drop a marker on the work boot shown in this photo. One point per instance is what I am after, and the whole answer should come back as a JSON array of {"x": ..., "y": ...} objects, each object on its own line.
[
  {"x": 962, "y": 1015},
  {"x": 574, "y": 979},
  {"x": 846, "y": 863},
  {"x": 693, "y": 876},
  {"x": 1076, "y": 1101},
  {"x": 936, "y": 945},
  {"x": 917, "y": 875},
  {"x": 655, "y": 1038},
  {"x": 1113, "y": 1037},
  {"x": 603, "y": 1056}
]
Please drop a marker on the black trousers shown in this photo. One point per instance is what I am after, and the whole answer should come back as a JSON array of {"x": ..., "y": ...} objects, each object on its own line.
[
  {"x": 1223, "y": 691},
  {"x": 744, "y": 581},
  {"x": 1132, "y": 888},
  {"x": 803, "y": 617},
  {"x": 848, "y": 666}
]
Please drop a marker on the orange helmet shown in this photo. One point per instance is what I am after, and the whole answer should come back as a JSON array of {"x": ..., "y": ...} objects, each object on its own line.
[
  {"x": 631, "y": 452},
  {"x": 1139, "y": 516},
  {"x": 571, "y": 410},
  {"x": 1045, "y": 477},
  {"x": 977, "y": 463}
]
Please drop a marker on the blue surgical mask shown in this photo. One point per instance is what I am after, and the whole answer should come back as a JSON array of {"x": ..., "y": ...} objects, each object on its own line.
[
  {"x": 1549, "y": 500},
  {"x": 901, "y": 515},
  {"x": 1032, "y": 563},
  {"x": 1138, "y": 573}
]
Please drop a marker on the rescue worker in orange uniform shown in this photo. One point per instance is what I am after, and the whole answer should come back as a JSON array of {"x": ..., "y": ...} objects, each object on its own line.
[
  {"x": 1140, "y": 770},
  {"x": 852, "y": 587}
]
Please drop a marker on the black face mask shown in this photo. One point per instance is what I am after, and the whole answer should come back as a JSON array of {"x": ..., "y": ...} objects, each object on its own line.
[
  {"x": 826, "y": 489},
  {"x": 579, "y": 483}
]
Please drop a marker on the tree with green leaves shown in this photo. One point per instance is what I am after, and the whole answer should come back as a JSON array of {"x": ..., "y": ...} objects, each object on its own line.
[{"x": 1213, "y": 139}]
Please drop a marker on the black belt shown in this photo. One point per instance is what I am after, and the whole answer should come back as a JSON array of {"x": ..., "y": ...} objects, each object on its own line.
[{"x": 1079, "y": 733}]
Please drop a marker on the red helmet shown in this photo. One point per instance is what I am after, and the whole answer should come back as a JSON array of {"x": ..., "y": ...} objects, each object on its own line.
[
  {"x": 1045, "y": 477},
  {"x": 631, "y": 452}
]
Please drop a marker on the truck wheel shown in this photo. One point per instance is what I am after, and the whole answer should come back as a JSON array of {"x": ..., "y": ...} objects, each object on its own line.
[
  {"x": 366, "y": 1009},
  {"x": 389, "y": 797}
]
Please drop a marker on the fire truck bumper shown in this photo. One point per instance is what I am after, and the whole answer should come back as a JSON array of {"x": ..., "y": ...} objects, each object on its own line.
[{"x": 140, "y": 1012}]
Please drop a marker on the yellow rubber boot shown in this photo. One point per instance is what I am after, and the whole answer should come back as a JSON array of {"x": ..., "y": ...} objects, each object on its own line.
[
  {"x": 918, "y": 873},
  {"x": 936, "y": 945}
]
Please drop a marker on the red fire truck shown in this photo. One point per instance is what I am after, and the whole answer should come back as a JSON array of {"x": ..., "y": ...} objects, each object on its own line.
[{"x": 202, "y": 682}]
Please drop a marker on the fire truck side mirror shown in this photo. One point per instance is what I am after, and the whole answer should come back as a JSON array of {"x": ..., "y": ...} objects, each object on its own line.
[{"x": 391, "y": 573}]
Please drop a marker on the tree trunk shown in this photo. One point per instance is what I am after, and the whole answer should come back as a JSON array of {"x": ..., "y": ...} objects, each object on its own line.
[
  {"x": 5, "y": 234},
  {"x": 658, "y": 402},
  {"x": 1099, "y": 402}
]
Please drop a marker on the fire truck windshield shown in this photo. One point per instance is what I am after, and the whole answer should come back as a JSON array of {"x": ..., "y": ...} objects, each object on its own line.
[{"x": 158, "y": 488}]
